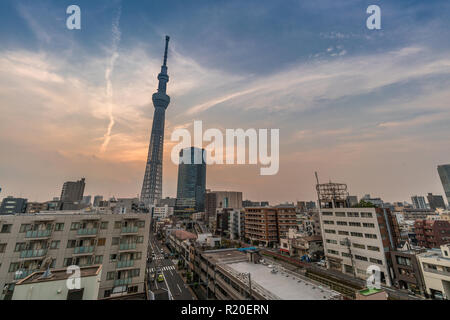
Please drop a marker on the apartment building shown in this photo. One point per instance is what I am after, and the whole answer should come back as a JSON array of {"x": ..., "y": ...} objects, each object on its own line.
[
  {"x": 432, "y": 233},
  {"x": 435, "y": 265},
  {"x": 267, "y": 225},
  {"x": 118, "y": 242}
]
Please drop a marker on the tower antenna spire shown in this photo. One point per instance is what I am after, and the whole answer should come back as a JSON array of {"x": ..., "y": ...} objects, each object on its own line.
[{"x": 165, "y": 52}]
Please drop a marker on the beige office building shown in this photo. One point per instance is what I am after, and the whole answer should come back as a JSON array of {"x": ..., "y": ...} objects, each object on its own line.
[{"x": 118, "y": 242}]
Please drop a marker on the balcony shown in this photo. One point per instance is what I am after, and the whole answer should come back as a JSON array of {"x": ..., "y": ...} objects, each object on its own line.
[
  {"x": 127, "y": 246},
  {"x": 122, "y": 282},
  {"x": 87, "y": 232},
  {"x": 23, "y": 273},
  {"x": 83, "y": 250},
  {"x": 26, "y": 254},
  {"x": 129, "y": 230},
  {"x": 125, "y": 264},
  {"x": 38, "y": 234}
]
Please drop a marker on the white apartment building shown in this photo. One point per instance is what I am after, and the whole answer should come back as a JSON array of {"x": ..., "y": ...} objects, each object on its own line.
[
  {"x": 236, "y": 224},
  {"x": 160, "y": 213},
  {"x": 353, "y": 241},
  {"x": 118, "y": 242},
  {"x": 435, "y": 266}
]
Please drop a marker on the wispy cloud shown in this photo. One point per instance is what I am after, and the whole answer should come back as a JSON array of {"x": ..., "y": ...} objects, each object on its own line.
[{"x": 116, "y": 34}]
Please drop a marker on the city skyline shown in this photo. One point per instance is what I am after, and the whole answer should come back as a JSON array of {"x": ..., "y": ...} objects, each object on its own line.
[{"x": 365, "y": 108}]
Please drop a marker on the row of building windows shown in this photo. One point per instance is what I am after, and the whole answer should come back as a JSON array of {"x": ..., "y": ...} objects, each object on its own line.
[
  {"x": 6, "y": 228},
  {"x": 352, "y": 224},
  {"x": 349, "y": 214},
  {"x": 353, "y": 234},
  {"x": 357, "y": 257}
]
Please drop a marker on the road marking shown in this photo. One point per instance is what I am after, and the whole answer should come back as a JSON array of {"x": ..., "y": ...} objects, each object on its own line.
[{"x": 178, "y": 287}]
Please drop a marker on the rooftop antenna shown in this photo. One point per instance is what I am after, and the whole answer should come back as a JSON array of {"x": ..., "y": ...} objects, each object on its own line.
[{"x": 165, "y": 51}]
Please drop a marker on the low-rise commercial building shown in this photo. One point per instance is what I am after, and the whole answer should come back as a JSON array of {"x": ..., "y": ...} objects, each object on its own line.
[{"x": 54, "y": 286}]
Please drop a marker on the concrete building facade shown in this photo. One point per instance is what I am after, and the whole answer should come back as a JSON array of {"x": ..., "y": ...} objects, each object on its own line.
[{"x": 117, "y": 242}]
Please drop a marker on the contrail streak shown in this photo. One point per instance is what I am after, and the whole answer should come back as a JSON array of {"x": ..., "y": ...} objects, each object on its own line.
[{"x": 108, "y": 72}]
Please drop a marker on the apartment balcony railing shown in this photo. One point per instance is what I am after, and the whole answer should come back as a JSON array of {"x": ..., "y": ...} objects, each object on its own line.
[
  {"x": 87, "y": 232},
  {"x": 127, "y": 246},
  {"x": 22, "y": 273},
  {"x": 122, "y": 282},
  {"x": 82, "y": 250},
  {"x": 129, "y": 229},
  {"x": 38, "y": 234},
  {"x": 125, "y": 264},
  {"x": 33, "y": 253}
]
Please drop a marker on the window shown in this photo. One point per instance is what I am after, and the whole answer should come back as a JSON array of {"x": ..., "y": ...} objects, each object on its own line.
[
  {"x": 359, "y": 246},
  {"x": 360, "y": 258},
  {"x": 327, "y": 213},
  {"x": 6, "y": 228},
  {"x": 104, "y": 225},
  {"x": 110, "y": 275},
  {"x": 356, "y": 234},
  {"x": 366, "y": 214},
  {"x": 112, "y": 257},
  {"x": 354, "y": 224},
  {"x": 140, "y": 239},
  {"x": 19, "y": 246},
  {"x": 340, "y": 214},
  {"x": 370, "y": 236},
  {"x": 141, "y": 224},
  {"x": 135, "y": 272},
  {"x": 101, "y": 242},
  {"x": 71, "y": 243},
  {"x": 373, "y": 248},
  {"x": 138, "y": 256},
  {"x": 98, "y": 259},
  {"x": 377, "y": 261},
  {"x": 133, "y": 289},
  {"x": 330, "y": 231},
  {"x": 107, "y": 293},
  {"x": 115, "y": 241},
  {"x": 67, "y": 262},
  {"x": 75, "y": 226},
  {"x": 329, "y": 251},
  {"x": 75, "y": 294},
  {"x": 353, "y": 214},
  {"x": 24, "y": 228},
  {"x": 59, "y": 227},
  {"x": 55, "y": 244},
  {"x": 346, "y": 254},
  {"x": 117, "y": 225},
  {"x": 3, "y": 247},
  {"x": 13, "y": 267},
  {"x": 341, "y": 223},
  {"x": 343, "y": 233},
  {"x": 328, "y": 222},
  {"x": 332, "y": 241},
  {"x": 368, "y": 225}
]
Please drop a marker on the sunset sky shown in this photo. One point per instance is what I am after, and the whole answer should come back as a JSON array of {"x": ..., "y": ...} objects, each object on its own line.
[{"x": 370, "y": 108}]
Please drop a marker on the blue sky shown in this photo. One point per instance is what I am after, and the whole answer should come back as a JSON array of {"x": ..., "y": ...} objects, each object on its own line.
[{"x": 366, "y": 107}]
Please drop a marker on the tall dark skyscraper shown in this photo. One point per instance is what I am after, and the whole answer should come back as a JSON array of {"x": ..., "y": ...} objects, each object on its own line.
[
  {"x": 192, "y": 177},
  {"x": 152, "y": 185},
  {"x": 444, "y": 174},
  {"x": 72, "y": 191}
]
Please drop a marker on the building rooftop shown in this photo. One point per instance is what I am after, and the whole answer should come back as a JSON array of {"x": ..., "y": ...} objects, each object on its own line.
[
  {"x": 284, "y": 284},
  {"x": 183, "y": 235},
  {"x": 59, "y": 274}
]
